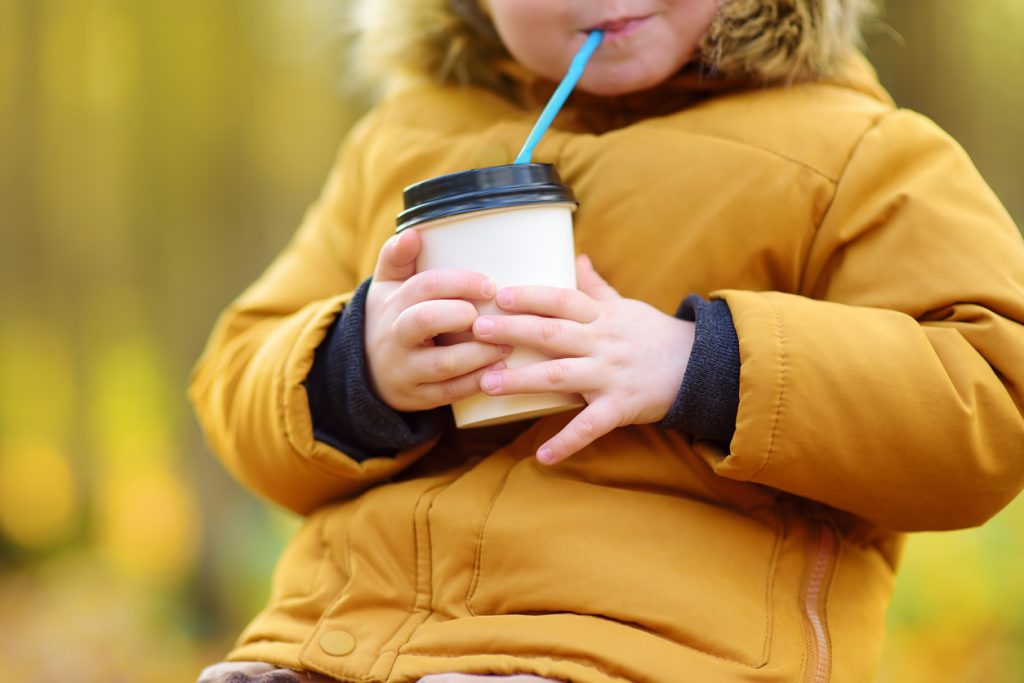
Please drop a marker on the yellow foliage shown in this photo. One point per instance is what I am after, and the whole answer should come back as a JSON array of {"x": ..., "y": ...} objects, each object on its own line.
[
  {"x": 38, "y": 496},
  {"x": 148, "y": 527},
  {"x": 131, "y": 419},
  {"x": 37, "y": 391},
  {"x": 11, "y": 49}
]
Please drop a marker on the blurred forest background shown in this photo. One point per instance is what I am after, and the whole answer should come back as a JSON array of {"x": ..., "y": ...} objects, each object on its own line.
[{"x": 154, "y": 156}]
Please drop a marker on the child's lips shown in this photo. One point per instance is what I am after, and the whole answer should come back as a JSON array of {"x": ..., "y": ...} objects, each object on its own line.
[{"x": 623, "y": 27}]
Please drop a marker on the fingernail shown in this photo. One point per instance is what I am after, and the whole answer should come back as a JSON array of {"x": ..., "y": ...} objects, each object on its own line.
[
  {"x": 491, "y": 381},
  {"x": 484, "y": 326},
  {"x": 488, "y": 288},
  {"x": 544, "y": 455},
  {"x": 505, "y": 298}
]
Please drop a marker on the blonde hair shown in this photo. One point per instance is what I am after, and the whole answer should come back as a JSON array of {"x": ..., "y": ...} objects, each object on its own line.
[
  {"x": 454, "y": 41},
  {"x": 775, "y": 41}
]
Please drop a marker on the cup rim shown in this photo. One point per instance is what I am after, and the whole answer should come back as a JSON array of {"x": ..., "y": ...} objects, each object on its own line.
[{"x": 472, "y": 190}]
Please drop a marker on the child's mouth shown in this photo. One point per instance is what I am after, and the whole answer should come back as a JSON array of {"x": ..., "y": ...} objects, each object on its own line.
[{"x": 616, "y": 29}]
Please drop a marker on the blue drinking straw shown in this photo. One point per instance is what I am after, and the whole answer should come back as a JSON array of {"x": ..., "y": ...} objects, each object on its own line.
[{"x": 554, "y": 105}]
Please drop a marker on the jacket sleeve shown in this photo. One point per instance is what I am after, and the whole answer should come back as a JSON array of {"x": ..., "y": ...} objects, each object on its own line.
[
  {"x": 893, "y": 387},
  {"x": 248, "y": 386},
  {"x": 706, "y": 403},
  {"x": 345, "y": 411}
]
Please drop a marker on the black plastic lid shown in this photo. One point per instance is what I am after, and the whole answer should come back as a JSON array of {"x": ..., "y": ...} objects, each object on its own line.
[{"x": 480, "y": 189}]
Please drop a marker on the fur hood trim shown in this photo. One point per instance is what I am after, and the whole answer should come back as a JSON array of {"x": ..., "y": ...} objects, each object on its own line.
[{"x": 454, "y": 42}]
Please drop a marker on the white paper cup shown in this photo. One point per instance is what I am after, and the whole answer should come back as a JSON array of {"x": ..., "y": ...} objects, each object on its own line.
[{"x": 514, "y": 224}]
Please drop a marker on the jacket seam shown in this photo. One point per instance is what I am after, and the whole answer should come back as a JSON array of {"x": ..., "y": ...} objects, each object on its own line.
[
  {"x": 769, "y": 587},
  {"x": 836, "y": 183},
  {"x": 760, "y": 148},
  {"x": 479, "y": 559},
  {"x": 290, "y": 360},
  {"x": 783, "y": 366},
  {"x": 325, "y": 552},
  {"x": 282, "y": 406},
  {"x": 346, "y": 568},
  {"x": 413, "y": 611}
]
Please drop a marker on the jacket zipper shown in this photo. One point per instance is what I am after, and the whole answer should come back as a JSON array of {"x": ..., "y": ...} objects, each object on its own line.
[{"x": 816, "y": 635}]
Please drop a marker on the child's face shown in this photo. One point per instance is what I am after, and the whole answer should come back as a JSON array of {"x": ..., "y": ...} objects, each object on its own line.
[{"x": 645, "y": 42}]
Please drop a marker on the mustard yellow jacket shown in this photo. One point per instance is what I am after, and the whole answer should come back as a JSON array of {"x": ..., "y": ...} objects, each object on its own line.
[{"x": 877, "y": 288}]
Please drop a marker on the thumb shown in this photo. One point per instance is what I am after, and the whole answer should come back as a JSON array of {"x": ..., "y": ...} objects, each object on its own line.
[
  {"x": 397, "y": 259},
  {"x": 592, "y": 284}
]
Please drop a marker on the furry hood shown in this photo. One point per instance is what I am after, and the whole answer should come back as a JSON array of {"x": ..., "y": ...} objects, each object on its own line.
[{"x": 453, "y": 41}]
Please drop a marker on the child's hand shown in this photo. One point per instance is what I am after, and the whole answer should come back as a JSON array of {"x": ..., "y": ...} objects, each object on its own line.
[
  {"x": 405, "y": 311},
  {"x": 626, "y": 358}
]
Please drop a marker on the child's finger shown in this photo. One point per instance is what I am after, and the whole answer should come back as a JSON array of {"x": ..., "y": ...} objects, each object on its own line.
[
  {"x": 591, "y": 283},
  {"x": 430, "y": 318},
  {"x": 563, "y": 376},
  {"x": 551, "y": 336},
  {"x": 442, "y": 363},
  {"x": 554, "y": 302},
  {"x": 592, "y": 423},
  {"x": 397, "y": 260},
  {"x": 444, "y": 393},
  {"x": 443, "y": 283}
]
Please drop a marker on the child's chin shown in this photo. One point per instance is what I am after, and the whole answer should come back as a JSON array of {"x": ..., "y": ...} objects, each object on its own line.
[{"x": 617, "y": 86}]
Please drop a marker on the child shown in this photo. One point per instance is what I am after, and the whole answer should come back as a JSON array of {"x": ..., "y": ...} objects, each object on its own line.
[{"x": 848, "y": 365}]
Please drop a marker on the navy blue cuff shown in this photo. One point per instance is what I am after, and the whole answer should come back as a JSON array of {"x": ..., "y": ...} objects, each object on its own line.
[
  {"x": 346, "y": 413},
  {"x": 709, "y": 397}
]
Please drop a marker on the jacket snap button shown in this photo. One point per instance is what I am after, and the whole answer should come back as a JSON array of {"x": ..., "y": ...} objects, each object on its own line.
[
  {"x": 337, "y": 643},
  {"x": 492, "y": 154}
]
